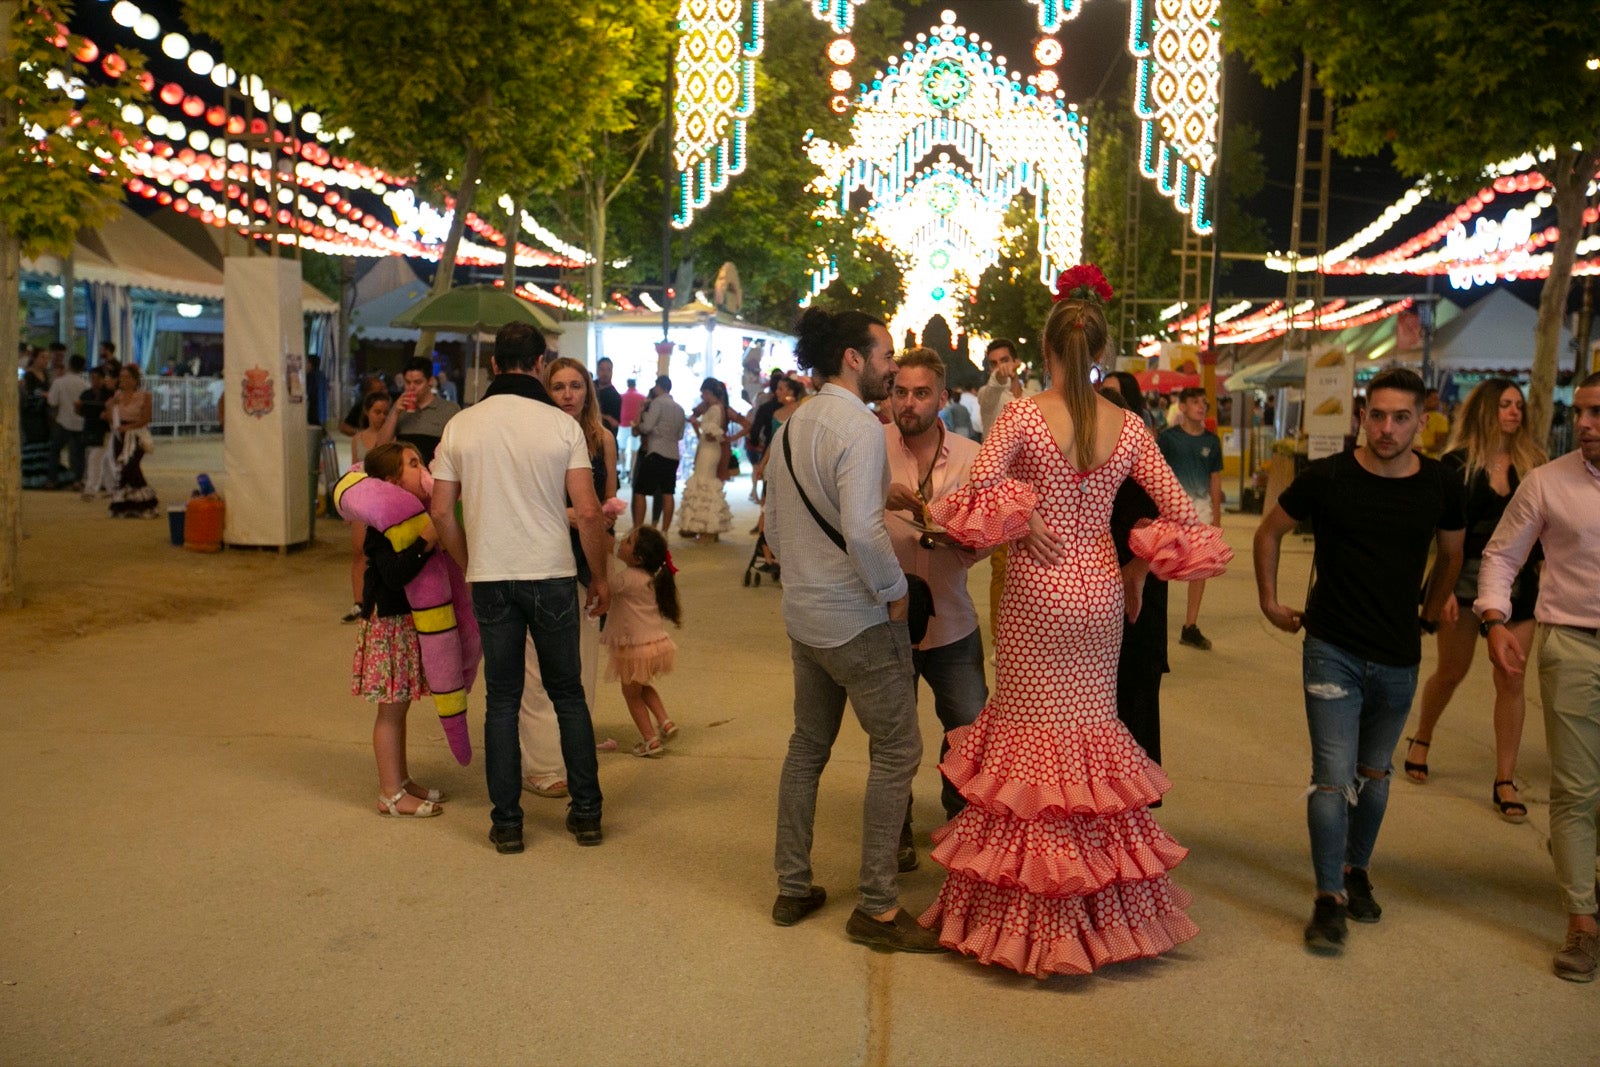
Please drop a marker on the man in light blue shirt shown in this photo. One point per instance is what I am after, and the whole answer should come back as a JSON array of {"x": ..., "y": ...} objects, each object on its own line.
[{"x": 844, "y": 607}]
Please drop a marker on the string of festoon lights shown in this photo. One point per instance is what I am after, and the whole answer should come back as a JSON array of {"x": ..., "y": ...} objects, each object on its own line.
[
  {"x": 188, "y": 161},
  {"x": 1505, "y": 248}
]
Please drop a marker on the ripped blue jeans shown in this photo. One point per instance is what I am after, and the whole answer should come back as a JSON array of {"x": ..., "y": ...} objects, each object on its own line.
[{"x": 1356, "y": 711}]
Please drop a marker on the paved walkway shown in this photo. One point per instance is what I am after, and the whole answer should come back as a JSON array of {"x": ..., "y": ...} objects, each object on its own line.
[{"x": 194, "y": 873}]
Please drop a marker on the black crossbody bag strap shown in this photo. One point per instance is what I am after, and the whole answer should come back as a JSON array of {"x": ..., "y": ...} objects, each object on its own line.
[{"x": 827, "y": 527}]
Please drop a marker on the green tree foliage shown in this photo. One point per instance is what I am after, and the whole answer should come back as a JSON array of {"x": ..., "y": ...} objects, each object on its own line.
[
  {"x": 464, "y": 96},
  {"x": 61, "y": 137},
  {"x": 1452, "y": 87}
]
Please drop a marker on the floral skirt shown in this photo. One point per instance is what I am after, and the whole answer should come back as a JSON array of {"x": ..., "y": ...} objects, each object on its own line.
[
  {"x": 388, "y": 661},
  {"x": 638, "y": 664}
]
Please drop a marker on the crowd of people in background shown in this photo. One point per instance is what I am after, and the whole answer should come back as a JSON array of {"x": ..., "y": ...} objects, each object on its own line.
[{"x": 882, "y": 486}]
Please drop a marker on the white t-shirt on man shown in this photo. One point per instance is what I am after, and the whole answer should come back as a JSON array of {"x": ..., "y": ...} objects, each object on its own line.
[{"x": 511, "y": 456}]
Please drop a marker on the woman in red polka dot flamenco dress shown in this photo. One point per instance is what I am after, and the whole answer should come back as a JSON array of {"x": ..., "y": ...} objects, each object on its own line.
[{"x": 1056, "y": 865}]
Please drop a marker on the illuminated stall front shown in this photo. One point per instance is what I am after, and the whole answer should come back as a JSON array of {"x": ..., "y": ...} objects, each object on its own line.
[{"x": 706, "y": 343}]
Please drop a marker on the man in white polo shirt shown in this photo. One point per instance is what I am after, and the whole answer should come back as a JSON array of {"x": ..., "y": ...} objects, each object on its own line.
[{"x": 513, "y": 460}]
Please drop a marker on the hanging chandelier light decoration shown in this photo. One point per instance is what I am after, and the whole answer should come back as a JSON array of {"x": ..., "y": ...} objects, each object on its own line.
[
  {"x": 948, "y": 91},
  {"x": 714, "y": 97},
  {"x": 1177, "y": 99}
]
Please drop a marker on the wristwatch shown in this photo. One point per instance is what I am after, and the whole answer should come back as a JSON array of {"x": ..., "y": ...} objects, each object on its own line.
[
  {"x": 1488, "y": 624},
  {"x": 1426, "y": 626}
]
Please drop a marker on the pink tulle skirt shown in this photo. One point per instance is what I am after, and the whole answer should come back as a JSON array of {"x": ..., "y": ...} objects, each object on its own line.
[{"x": 639, "y": 664}]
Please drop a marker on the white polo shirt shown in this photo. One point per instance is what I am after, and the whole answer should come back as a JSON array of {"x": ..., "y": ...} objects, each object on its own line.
[{"x": 511, "y": 456}]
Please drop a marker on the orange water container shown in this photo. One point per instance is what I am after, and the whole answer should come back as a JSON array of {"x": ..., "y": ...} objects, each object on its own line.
[{"x": 202, "y": 524}]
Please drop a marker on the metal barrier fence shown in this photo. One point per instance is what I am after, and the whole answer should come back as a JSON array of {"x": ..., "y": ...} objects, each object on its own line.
[{"x": 184, "y": 404}]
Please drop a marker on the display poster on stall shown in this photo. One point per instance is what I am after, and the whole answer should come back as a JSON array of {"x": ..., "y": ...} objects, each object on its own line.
[
  {"x": 1330, "y": 391},
  {"x": 265, "y": 445}
]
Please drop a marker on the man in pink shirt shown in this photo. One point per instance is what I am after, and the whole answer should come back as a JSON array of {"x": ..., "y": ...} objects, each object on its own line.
[
  {"x": 926, "y": 463},
  {"x": 1558, "y": 505},
  {"x": 627, "y": 442}
]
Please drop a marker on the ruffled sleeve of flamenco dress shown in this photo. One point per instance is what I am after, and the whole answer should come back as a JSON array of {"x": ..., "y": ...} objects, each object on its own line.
[{"x": 1057, "y": 865}]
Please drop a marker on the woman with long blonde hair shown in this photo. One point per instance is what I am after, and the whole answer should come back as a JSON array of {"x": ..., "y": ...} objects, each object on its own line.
[
  {"x": 544, "y": 774},
  {"x": 1491, "y": 450},
  {"x": 1049, "y": 773}
]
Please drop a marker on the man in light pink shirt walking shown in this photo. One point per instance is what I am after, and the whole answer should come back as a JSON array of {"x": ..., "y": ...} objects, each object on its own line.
[
  {"x": 926, "y": 463},
  {"x": 1558, "y": 505}
]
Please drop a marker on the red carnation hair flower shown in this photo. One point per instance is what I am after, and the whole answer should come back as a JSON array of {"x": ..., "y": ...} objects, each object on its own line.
[{"x": 1083, "y": 282}]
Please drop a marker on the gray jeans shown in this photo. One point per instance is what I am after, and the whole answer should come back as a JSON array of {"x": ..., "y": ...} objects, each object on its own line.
[{"x": 873, "y": 670}]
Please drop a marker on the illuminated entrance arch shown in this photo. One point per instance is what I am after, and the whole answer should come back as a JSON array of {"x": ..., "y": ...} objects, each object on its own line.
[{"x": 994, "y": 136}]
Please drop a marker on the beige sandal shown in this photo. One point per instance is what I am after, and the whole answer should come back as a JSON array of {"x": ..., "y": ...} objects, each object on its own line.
[{"x": 425, "y": 809}]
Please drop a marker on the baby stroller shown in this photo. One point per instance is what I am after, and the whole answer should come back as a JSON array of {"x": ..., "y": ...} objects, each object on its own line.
[{"x": 761, "y": 560}]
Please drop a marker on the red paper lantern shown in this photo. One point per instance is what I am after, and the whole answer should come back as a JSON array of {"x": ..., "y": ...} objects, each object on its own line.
[
  {"x": 87, "y": 52},
  {"x": 147, "y": 81},
  {"x": 216, "y": 116},
  {"x": 163, "y": 199},
  {"x": 114, "y": 65},
  {"x": 193, "y": 106},
  {"x": 235, "y": 125},
  {"x": 258, "y": 126},
  {"x": 172, "y": 94}
]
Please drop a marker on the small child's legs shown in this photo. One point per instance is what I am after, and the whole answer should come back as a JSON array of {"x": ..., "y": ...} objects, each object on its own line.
[
  {"x": 641, "y": 701},
  {"x": 389, "y": 746},
  {"x": 652, "y": 700}
]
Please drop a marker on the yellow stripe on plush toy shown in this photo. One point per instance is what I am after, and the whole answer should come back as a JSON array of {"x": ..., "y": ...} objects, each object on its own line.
[
  {"x": 435, "y": 620},
  {"x": 350, "y": 478},
  {"x": 451, "y": 703},
  {"x": 404, "y": 534}
]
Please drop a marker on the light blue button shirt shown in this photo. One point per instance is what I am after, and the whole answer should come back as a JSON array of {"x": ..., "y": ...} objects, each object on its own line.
[{"x": 840, "y": 458}]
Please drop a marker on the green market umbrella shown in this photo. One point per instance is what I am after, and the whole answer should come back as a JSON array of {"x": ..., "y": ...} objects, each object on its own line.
[{"x": 475, "y": 309}]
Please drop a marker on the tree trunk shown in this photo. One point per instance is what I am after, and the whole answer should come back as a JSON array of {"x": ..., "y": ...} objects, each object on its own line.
[
  {"x": 509, "y": 272},
  {"x": 1570, "y": 174},
  {"x": 442, "y": 277},
  {"x": 10, "y": 334},
  {"x": 594, "y": 194}
]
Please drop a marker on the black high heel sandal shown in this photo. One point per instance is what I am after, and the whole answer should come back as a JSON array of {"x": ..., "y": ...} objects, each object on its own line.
[
  {"x": 1513, "y": 811},
  {"x": 1413, "y": 770}
]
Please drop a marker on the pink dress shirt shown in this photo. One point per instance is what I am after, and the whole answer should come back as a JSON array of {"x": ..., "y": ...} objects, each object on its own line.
[
  {"x": 1558, "y": 505},
  {"x": 944, "y": 567}
]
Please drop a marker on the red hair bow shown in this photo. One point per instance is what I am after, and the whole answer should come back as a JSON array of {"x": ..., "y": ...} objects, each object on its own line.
[
  {"x": 667, "y": 563},
  {"x": 1083, "y": 282}
]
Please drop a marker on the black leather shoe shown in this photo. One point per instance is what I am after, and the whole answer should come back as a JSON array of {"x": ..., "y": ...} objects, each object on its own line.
[
  {"x": 786, "y": 911},
  {"x": 1360, "y": 904},
  {"x": 586, "y": 830},
  {"x": 507, "y": 839},
  {"x": 899, "y": 934}
]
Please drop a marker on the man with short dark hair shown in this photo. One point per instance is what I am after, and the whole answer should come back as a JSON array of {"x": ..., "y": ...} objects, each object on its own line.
[
  {"x": 655, "y": 473},
  {"x": 844, "y": 609},
  {"x": 927, "y": 463},
  {"x": 1375, "y": 511},
  {"x": 627, "y": 432},
  {"x": 1558, "y": 506},
  {"x": 606, "y": 395},
  {"x": 514, "y": 460},
  {"x": 91, "y": 407},
  {"x": 419, "y": 416},
  {"x": 1195, "y": 455}
]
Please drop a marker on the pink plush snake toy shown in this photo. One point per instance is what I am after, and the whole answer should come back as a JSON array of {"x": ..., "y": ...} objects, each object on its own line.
[{"x": 441, "y": 606}]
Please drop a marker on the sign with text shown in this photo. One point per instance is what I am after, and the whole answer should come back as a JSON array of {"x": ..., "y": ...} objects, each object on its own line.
[{"x": 1330, "y": 389}]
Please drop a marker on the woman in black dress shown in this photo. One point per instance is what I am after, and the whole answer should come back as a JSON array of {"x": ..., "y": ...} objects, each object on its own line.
[{"x": 1491, "y": 450}]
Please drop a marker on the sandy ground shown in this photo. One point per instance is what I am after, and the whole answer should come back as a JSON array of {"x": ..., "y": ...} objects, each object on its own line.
[{"x": 194, "y": 873}]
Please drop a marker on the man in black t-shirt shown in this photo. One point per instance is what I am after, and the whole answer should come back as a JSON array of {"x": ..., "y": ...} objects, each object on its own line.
[
  {"x": 1374, "y": 512},
  {"x": 607, "y": 397}
]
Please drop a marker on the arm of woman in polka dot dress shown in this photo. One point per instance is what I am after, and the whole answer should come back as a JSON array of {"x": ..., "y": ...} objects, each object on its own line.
[
  {"x": 994, "y": 507},
  {"x": 1178, "y": 545}
]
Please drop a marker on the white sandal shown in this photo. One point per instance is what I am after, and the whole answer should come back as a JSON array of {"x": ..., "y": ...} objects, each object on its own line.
[
  {"x": 425, "y": 809},
  {"x": 434, "y": 796},
  {"x": 649, "y": 749}
]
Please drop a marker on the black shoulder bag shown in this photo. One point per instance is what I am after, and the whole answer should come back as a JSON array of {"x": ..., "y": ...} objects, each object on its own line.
[{"x": 919, "y": 603}]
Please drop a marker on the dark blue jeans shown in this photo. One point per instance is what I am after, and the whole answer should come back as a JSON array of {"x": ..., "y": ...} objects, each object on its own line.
[
  {"x": 1356, "y": 710},
  {"x": 508, "y": 612},
  {"x": 954, "y": 673}
]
